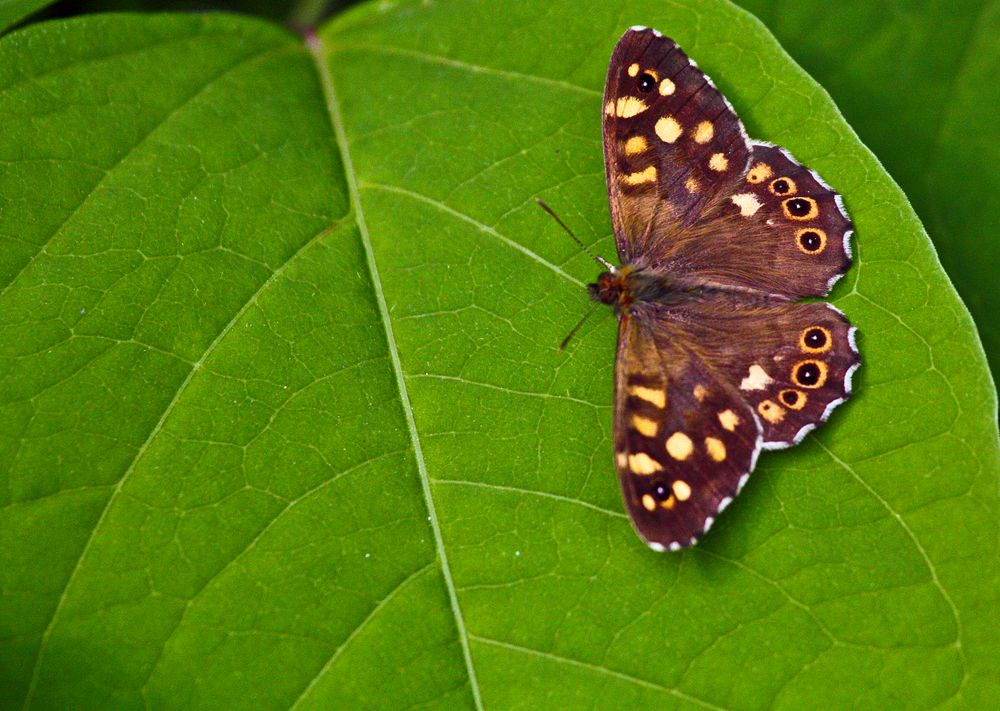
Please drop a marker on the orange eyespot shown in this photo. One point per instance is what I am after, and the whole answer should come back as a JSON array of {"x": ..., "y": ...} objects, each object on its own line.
[
  {"x": 771, "y": 411},
  {"x": 800, "y": 208},
  {"x": 782, "y": 186},
  {"x": 647, "y": 80},
  {"x": 811, "y": 240},
  {"x": 759, "y": 173},
  {"x": 793, "y": 399},
  {"x": 816, "y": 339},
  {"x": 809, "y": 374}
]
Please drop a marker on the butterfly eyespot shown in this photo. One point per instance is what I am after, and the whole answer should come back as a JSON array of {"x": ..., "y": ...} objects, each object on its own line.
[
  {"x": 809, "y": 374},
  {"x": 782, "y": 186},
  {"x": 811, "y": 241},
  {"x": 771, "y": 411},
  {"x": 646, "y": 82},
  {"x": 800, "y": 208},
  {"x": 662, "y": 495},
  {"x": 815, "y": 339},
  {"x": 793, "y": 399}
]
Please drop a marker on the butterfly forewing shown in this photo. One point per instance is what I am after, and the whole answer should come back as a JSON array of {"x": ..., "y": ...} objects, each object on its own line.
[
  {"x": 685, "y": 441},
  {"x": 672, "y": 143}
]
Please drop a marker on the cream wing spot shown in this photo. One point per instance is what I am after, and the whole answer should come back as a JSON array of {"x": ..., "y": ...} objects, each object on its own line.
[
  {"x": 633, "y": 69},
  {"x": 679, "y": 446},
  {"x": 629, "y": 106},
  {"x": 642, "y": 463},
  {"x": 655, "y": 396},
  {"x": 748, "y": 203},
  {"x": 621, "y": 459},
  {"x": 636, "y": 145},
  {"x": 644, "y": 425},
  {"x": 648, "y": 502},
  {"x": 667, "y": 87},
  {"x": 641, "y": 177},
  {"x": 716, "y": 448},
  {"x": 699, "y": 392},
  {"x": 757, "y": 379},
  {"x": 682, "y": 490},
  {"x": 718, "y": 162},
  {"x": 668, "y": 129},
  {"x": 729, "y": 419},
  {"x": 609, "y": 108},
  {"x": 692, "y": 185},
  {"x": 703, "y": 132}
]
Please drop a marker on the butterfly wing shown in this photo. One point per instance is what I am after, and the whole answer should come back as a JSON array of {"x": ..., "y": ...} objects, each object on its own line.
[
  {"x": 791, "y": 363},
  {"x": 781, "y": 231},
  {"x": 699, "y": 391},
  {"x": 671, "y": 141},
  {"x": 691, "y": 195},
  {"x": 685, "y": 440}
]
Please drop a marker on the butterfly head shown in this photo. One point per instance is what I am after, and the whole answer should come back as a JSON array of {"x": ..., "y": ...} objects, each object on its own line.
[{"x": 611, "y": 288}]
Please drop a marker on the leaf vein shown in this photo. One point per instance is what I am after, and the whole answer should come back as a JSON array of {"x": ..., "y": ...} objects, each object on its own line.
[{"x": 320, "y": 56}]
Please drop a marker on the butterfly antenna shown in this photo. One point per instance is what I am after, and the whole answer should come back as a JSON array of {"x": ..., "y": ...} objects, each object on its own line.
[
  {"x": 565, "y": 341},
  {"x": 600, "y": 260}
]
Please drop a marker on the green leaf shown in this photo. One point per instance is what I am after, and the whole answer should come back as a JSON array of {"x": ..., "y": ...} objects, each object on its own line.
[
  {"x": 284, "y": 425},
  {"x": 916, "y": 80},
  {"x": 13, "y": 11}
]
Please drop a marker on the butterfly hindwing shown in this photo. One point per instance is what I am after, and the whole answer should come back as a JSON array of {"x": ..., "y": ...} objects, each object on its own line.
[
  {"x": 672, "y": 142},
  {"x": 797, "y": 369},
  {"x": 791, "y": 363},
  {"x": 685, "y": 441}
]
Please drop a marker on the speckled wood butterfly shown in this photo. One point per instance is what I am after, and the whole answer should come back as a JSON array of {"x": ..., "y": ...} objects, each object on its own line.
[{"x": 718, "y": 236}]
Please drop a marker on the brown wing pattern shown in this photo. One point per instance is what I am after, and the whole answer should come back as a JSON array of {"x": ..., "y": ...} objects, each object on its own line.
[
  {"x": 721, "y": 234},
  {"x": 672, "y": 142},
  {"x": 782, "y": 231},
  {"x": 685, "y": 441},
  {"x": 691, "y": 195},
  {"x": 792, "y": 363}
]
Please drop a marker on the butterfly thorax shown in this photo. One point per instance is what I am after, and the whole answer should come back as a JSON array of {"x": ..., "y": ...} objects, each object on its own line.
[{"x": 628, "y": 285}]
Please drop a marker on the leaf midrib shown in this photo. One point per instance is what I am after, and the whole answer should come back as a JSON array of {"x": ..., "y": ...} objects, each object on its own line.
[{"x": 319, "y": 54}]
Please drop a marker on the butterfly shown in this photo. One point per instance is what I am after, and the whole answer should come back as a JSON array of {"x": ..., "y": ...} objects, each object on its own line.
[{"x": 719, "y": 236}]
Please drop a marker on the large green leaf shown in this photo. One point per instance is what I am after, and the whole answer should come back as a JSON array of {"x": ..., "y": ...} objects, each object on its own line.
[
  {"x": 917, "y": 80},
  {"x": 284, "y": 424}
]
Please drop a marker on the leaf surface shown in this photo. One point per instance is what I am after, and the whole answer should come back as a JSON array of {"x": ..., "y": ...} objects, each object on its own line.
[{"x": 283, "y": 421}]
